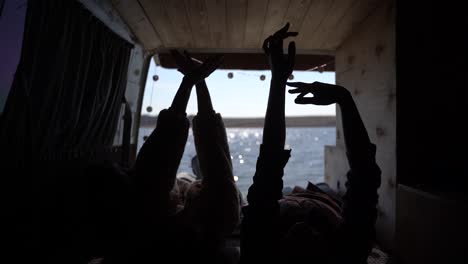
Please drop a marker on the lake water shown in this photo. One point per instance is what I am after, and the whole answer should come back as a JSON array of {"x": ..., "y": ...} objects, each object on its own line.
[{"x": 306, "y": 162}]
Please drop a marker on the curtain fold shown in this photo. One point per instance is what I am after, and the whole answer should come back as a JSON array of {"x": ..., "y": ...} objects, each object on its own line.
[{"x": 68, "y": 87}]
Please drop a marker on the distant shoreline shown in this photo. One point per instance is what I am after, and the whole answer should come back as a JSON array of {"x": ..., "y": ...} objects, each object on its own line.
[{"x": 296, "y": 121}]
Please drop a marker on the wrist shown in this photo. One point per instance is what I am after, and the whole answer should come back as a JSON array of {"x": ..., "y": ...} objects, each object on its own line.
[
  {"x": 277, "y": 78},
  {"x": 345, "y": 98},
  {"x": 188, "y": 80}
]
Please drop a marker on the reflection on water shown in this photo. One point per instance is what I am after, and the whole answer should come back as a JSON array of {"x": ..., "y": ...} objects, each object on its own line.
[{"x": 306, "y": 162}]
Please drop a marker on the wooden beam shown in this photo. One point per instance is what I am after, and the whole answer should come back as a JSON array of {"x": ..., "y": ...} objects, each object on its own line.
[{"x": 255, "y": 61}]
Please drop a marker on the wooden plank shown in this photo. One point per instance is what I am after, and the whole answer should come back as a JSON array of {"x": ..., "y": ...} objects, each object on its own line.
[
  {"x": 274, "y": 17},
  {"x": 330, "y": 22},
  {"x": 177, "y": 15},
  {"x": 236, "y": 18},
  {"x": 250, "y": 61},
  {"x": 358, "y": 13},
  {"x": 135, "y": 17},
  {"x": 198, "y": 17},
  {"x": 217, "y": 21},
  {"x": 256, "y": 10},
  {"x": 296, "y": 13},
  {"x": 313, "y": 20},
  {"x": 156, "y": 13}
]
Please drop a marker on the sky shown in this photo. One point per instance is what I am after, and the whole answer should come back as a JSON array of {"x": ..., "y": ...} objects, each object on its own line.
[{"x": 245, "y": 95}]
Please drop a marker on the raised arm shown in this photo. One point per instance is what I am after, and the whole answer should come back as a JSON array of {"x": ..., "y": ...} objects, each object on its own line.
[
  {"x": 360, "y": 200},
  {"x": 215, "y": 210},
  {"x": 260, "y": 239},
  {"x": 159, "y": 158}
]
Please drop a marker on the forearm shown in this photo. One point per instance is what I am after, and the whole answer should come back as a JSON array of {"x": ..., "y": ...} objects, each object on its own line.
[
  {"x": 260, "y": 239},
  {"x": 363, "y": 181},
  {"x": 205, "y": 106},
  {"x": 274, "y": 131},
  {"x": 180, "y": 101},
  {"x": 356, "y": 139},
  {"x": 159, "y": 158},
  {"x": 218, "y": 195}
]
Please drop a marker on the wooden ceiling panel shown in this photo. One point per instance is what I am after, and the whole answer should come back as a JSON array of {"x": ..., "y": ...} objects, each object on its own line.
[
  {"x": 329, "y": 22},
  {"x": 256, "y": 10},
  {"x": 312, "y": 22},
  {"x": 177, "y": 15},
  {"x": 217, "y": 21},
  {"x": 133, "y": 14},
  {"x": 198, "y": 17},
  {"x": 351, "y": 19},
  {"x": 242, "y": 25},
  {"x": 156, "y": 12},
  {"x": 296, "y": 12},
  {"x": 236, "y": 12},
  {"x": 274, "y": 17}
]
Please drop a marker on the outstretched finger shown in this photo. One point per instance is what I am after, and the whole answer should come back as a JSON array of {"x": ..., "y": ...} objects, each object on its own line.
[
  {"x": 282, "y": 31},
  {"x": 290, "y": 34},
  {"x": 297, "y": 90},
  {"x": 297, "y": 84}
]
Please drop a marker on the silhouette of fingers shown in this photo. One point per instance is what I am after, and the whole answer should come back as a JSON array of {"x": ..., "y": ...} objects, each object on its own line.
[
  {"x": 295, "y": 91},
  {"x": 282, "y": 31},
  {"x": 290, "y": 34},
  {"x": 297, "y": 84}
]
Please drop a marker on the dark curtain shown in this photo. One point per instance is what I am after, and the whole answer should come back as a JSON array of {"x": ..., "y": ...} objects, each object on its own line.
[
  {"x": 68, "y": 87},
  {"x": 60, "y": 117}
]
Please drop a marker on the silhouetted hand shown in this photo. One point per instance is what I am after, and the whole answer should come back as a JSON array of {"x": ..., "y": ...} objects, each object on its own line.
[
  {"x": 281, "y": 65},
  {"x": 323, "y": 93},
  {"x": 185, "y": 62},
  {"x": 194, "y": 71}
]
